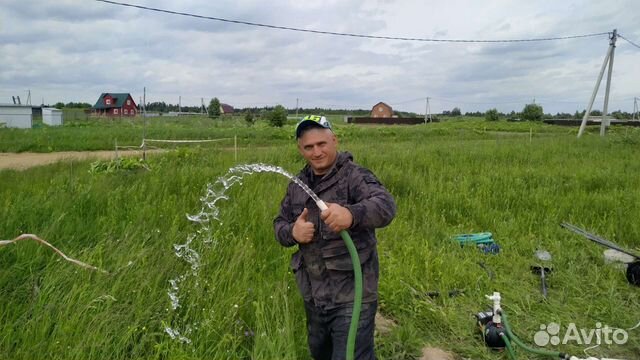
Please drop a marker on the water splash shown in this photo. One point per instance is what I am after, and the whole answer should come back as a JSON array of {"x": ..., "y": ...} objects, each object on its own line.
[
  {"x": 207, "y": 217},
  {"x": 187, "y": 253},
  {"x": 175, "y": 334},
  {"x": 217, "y": 191}
]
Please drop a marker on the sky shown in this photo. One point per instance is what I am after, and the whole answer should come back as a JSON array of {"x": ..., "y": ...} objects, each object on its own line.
[{"x": 74, "y": 50}]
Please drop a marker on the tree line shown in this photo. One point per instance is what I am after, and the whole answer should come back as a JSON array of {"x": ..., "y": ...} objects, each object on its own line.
[
  {"x": 531, "y": 112},
  {"x": 535, "y": 112},
  {"x": 72, "y": 105}
]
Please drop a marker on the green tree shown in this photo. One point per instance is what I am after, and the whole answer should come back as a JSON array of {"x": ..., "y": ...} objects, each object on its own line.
[
  {"x": 78, "y": 105},
  {"x": 214, "y": 108},
  {"x": 249, "y": 118},
  {"x": 59, "y": 105},
  {"x": 492, "y": 115},
  {"x": 532, "y": 112},
  {"x": 621, "y": 115},
  {"x": 456, "y": 111},
  {"x": 278, "y": 116}
]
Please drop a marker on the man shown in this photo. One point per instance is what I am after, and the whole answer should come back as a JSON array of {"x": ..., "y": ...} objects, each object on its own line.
[{"x": 357, "y": 202}]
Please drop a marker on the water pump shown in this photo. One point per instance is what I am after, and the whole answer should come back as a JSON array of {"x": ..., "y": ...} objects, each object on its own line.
[
  {"x": 490, "y": 324},
  {"x": 497, "y": 333}
]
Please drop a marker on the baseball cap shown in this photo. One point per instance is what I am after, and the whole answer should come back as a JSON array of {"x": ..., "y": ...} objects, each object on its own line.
[{"x": 312, "y": 120}]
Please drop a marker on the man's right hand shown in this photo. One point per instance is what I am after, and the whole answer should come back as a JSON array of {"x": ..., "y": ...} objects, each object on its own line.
[{"x": 302, "y": 229}]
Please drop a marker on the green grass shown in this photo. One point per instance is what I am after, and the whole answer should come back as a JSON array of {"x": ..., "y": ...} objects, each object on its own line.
[
  {"x": 79, "y": 134},
  {"x": 102, "y": 134},
  {"x": 448, "y": 178}
]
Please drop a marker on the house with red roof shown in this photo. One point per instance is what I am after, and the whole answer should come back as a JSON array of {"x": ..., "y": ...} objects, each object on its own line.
[
  {"x": 226, "y": 109},
  {"x": 115, "y": 104}
]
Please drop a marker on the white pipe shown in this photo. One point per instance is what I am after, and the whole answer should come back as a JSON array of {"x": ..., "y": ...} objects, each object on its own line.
[
  {"x": 496, "y": 307},
  {"x": 322, "y": 205}
]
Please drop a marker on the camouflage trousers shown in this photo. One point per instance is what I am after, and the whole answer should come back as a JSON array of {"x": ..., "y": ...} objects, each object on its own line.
[{"x": 328, "y": 331}]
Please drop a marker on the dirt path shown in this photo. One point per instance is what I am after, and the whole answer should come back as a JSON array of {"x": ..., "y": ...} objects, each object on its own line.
[{"x": 21, "y": 161}]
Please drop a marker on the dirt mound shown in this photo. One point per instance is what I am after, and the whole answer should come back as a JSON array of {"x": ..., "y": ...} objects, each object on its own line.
[{"x": 429, "y": 353}]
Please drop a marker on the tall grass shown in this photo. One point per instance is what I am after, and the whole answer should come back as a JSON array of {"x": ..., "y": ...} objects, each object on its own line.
[
  {"x": 102, "y": 133},
  {"x": 447, "y": 179}
]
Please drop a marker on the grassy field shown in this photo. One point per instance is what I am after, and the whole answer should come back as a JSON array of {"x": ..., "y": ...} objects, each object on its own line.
[
  {"x": 448, "y": 178},
  {"x": 80, "y": 134}
]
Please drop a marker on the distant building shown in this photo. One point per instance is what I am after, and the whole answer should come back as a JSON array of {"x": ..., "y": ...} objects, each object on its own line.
[
  {"x": 16, "y": 116},
  {"x": 115, "y": 104},
  {"x": 226, "y": 109},
  {"x": 381, "y": 110},
  {"x": 382, "y": 114},
  {"x": 51, "y": 116}
]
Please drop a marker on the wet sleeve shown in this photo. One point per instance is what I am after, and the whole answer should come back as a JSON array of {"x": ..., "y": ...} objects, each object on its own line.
[
  {"x": 373, "y": 206},
  {"x": 283, "y": 223}
]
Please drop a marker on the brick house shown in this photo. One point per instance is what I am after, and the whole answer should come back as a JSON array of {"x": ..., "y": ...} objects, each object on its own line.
[
  {"x": 115, "y": 104},
  {"x": 381, "y": 110}
]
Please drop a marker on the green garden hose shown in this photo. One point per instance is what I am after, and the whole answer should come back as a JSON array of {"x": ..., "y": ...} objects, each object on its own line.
[
  {"x": 357, "y": 299},
  {"x": 507, "y": 343},
  {"x": 357, "y": 275},
  {"x": 519, "y": 342}
]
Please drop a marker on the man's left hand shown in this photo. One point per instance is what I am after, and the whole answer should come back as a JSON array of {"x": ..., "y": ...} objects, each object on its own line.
[{"x": 338, "y": 218}]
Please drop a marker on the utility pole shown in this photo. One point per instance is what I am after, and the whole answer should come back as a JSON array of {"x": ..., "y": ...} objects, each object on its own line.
[
  {"x": 179, "y": 104},
  {"x": 201, "y": 106},
  {"x": 427, "y": 112},
  {"x": 608, "y": 59},
  {"x": 605, "y": 122},
  {"x": 297, "y": 108},
  {"x": 635, "y": 109},
  {"x": 144, "y": 123},
  {"x": 28, "y": 97}
]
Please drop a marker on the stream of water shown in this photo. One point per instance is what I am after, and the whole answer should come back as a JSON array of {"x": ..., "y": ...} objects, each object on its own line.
[{"x": 207, "y": 218}]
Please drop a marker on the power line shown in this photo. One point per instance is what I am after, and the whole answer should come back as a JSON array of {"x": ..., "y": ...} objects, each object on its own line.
[
  {"x": 348, "y": 34},
  {"x": 406, "y": 101},
  {"x": 515, "y": 101},
  {"x": 455, "y": 101},
  {"x": 629, "y": 41}
]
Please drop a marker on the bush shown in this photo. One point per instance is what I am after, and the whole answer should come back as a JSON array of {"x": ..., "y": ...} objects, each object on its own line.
[
  {"x": 532, "y": 112},
  {"x": 214, "y": 108},
  {"x": 278, "y": 116},
  {"x": 120, "y": 164},
  {"x": 492, "y": 115},
  {"x": 249, "y": 119}
]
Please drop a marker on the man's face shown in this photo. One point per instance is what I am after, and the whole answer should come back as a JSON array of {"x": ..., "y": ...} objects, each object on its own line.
[{"x": 320, "y": 148}]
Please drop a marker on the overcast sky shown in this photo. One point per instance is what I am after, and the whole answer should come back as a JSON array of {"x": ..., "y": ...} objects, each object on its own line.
[{"x": 73, "y": 50}]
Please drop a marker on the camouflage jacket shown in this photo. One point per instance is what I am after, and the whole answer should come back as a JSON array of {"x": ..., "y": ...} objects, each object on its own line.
[{"x": 323, "y": 267}]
